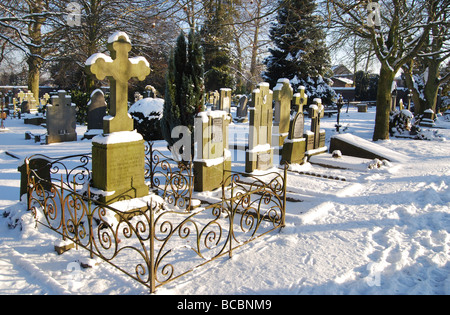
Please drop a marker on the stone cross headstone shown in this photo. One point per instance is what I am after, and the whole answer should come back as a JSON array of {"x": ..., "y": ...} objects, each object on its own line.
[
  {"x": 294, "y": 147},
  {"x": 213, "y": 156},
  {"x": 259, "y": 155},
  {"x": 96, "y": 112},
  {"x": 21, "y": 96},
  {"x": 242, "y": 110},
  {"x": 300, "y": 99},
  {"x": 118, "y": 69},
  {"x": 316, "y": 113},
  {"x": 45, "y": 98},
  {"x": 282, "y": 96},
  {"x": 61, "y": 119},
  {"x": 225, "y": 100},
  {"x": 28, "y": 105},
  {"x": 118, "y": 156}
]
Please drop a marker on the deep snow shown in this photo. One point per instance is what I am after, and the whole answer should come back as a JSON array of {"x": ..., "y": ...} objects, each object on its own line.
[{"x": 382, "y": 231}]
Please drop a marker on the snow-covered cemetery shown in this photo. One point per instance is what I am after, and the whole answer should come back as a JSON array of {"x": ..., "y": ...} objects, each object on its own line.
[{"x": 225, "y": 148}]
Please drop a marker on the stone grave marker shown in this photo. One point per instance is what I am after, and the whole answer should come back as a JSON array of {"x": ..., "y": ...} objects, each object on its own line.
[
  {"x": 212, "y": 156},
  {"x": 300, "y": 99},
  {"x": 96, "y": 112},
  {"x": 225, "y": 100},
  {"x": 118, "y": 156},
  {"x": 282, "y": 96},
  {"x": 242, "y": 110},
  {"x": 316, "y": 113},
  {"x": 294, "y": 147},
  {"x": 259, "y": 155},
  {"x": 213, "y": 100},
  {"x": 61, "y": 119}
]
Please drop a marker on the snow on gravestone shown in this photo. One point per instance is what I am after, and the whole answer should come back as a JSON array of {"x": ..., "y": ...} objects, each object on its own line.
[
  {"x": 96, "y": 112},
  {"x": 282, "y": 96},
  {"x": 355, "y": 146},
  {"x": 118, "y": 156},
  {"x": 213, "y": 156},
  {"x": 259, "y": 155},
  {"x": 294, "y": 147}
]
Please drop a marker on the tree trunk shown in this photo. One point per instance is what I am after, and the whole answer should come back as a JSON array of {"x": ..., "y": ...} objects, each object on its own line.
[
  {"x": 387, "y": 75},
  {"x": 34, "y": 65},
  {"x": 431, "y": 89}
]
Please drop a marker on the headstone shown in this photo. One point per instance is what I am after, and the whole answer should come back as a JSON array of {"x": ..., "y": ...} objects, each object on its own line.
[
  {"x": 118, "y": 156},
  {"x": 214, "y": 100},
  {"x": 316, "y": 113},
  {"x": 259, "y": 155},
  {"x": 242, "y": 110},
  {"x": 213, "y": 156},
  {"x": 362, "y": 108},
  {"x": 428, "y": 118},
  {"x": 282, "y": 96},
  {"x": 300, "y": 99},
  {"x": 61, "y": 119},
  {"x": 96, "y": 112},
  {"x": 137, "y": 97},
  {"x": 225, "y": 100},
  {"x": 294, "y": 147},
  {"x": 40, "y": 169}
]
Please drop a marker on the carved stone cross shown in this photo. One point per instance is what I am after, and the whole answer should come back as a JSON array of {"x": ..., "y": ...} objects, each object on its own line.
[
  {"x": 119, "y": 69},
  {"x": 300, "y": 99}
]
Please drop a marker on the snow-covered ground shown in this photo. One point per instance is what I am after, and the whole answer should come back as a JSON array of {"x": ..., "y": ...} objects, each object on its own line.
[{"x": 382, "y": 231}]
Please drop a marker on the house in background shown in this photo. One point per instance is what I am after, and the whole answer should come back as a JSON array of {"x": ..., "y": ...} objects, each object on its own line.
[{"x": 343, "y": 82}]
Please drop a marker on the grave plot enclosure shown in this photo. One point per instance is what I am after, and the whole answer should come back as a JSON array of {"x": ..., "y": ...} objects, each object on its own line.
[{"x": 160, "y": 237}]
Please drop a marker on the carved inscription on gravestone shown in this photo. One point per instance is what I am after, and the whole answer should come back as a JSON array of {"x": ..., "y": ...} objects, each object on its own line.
[
  {"x": 217, "y": 130},
  {"x": 299, "y": 125}
]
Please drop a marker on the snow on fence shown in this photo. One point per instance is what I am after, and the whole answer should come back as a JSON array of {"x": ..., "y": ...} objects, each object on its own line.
[{"x": 161, "y": 237}]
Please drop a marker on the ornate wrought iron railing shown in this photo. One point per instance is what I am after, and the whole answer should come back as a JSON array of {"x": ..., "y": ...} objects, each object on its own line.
[{"x": 160, "y": 243}]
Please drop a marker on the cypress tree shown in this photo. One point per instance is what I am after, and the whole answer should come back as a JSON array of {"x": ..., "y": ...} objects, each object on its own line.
[
  {"x": 184, "y": 86},
  {"x": 216, "y": 36}
]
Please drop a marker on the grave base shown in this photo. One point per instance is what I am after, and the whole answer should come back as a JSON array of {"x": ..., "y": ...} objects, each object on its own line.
[
  {"x": 294, "y": 151},
  {"x": 209, "y": 178},
  {"x": 262, "y": 161},
  {"x": 118, "y": 170}
]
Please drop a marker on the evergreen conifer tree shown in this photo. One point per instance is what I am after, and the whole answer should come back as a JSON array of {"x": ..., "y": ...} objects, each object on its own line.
[
  {"x": 300, "y": 52},
  {"x": 216, "y": 36},
  {"x": 184, "y": 86}
]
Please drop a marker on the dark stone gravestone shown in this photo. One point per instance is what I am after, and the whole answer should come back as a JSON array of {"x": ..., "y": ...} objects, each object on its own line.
[
  {"x": 61, "y": 119},
  {"x": 41, "y": 168},
  {"x": 96, "y": 113},
  {"x": 242, "y": 110}
]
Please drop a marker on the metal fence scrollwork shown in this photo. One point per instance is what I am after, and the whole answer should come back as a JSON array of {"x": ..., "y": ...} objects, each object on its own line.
[{"x": 167, "y": 238}]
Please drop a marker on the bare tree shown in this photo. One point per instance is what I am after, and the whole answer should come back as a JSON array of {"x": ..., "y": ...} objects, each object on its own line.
[{"x": 398, "y": 30}]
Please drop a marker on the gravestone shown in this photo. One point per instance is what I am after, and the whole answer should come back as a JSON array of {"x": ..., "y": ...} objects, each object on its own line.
[
  {"x": 300, "y": 99},
  {"x": 317, "y": 136},
  {"x": 225, "y": 100},
  {"x": 428, "y": 118},
  {"x": 118, "y": 156},
  {"x": 214, "y": 100},
  {"x": 28, "y": 103},
  {"x": 282, "y": 96},
  {"x": 294, "y": 147},
  {"x": 61, "y": 119},
  {"x": 259, "y": 155},
  {"x": 40, "y": 169},
  {"x": 213, "y": 156},
  {"x": 242, "y": 110},
  {"x": 96, "y": 112}
]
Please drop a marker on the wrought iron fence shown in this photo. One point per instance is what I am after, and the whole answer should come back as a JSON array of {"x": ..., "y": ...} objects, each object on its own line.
[{"x": 159, "y": 243}]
